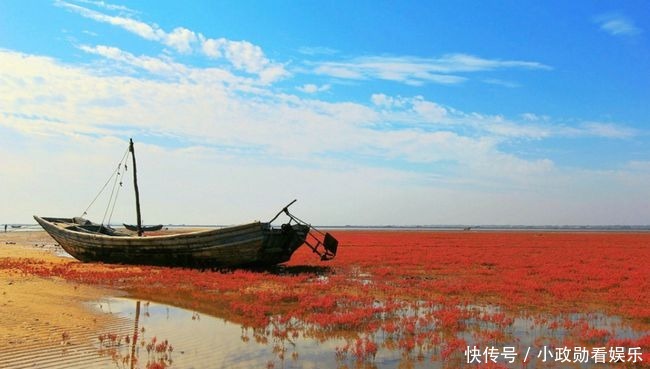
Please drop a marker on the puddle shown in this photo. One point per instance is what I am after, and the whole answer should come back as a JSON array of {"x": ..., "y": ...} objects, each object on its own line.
[
  {"x": 203, "y": 341},
  {"x": 172, "y": 337}
]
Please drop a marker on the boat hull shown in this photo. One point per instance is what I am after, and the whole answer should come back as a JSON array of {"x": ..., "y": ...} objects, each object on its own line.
[
  {"x": 253, "y": 244},
  {"x": 151, "y": 228}
]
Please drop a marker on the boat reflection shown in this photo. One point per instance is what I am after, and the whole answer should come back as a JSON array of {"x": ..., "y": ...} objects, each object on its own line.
[{"x": 200, "y": 340}]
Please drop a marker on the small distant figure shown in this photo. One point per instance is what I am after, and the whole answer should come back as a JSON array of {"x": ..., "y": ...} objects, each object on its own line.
[{"x": 5, "y": 228}]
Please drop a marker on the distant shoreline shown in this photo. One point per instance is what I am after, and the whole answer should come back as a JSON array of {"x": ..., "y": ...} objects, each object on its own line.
[{"x": 17, "y": 227}]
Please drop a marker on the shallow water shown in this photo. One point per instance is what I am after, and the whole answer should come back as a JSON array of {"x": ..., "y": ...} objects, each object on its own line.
[
  {"x": 172, "y": 337},
  {"x": 202, "y": 341}
]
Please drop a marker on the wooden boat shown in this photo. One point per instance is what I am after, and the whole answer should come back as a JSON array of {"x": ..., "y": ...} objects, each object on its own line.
[
  {"x": 252, "y": 244},
  {"x": 149, "y": 228}
]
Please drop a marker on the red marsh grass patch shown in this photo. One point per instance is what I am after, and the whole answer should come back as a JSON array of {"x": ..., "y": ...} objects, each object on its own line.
[{"x": 428, "y": 295}]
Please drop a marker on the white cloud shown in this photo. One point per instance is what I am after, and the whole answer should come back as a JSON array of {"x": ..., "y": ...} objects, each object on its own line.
[
  {"x": 340, "y": 70},
  {"x": 372, "y": 157},
  {"x": 430, "y": 111},
  {"x": 607, "y": 130},
  {"x": 617, "y": 25},
  {"x": 108, "y": 6},
  {"x": 534, "y": 117},
  {"x": 386, "y": 69},
  {"x": 311, "y": 88},
  {"x": 243, "y": 55},
  {"x": 419, "y": 71},
  {"x": 273, "y": 73},
  {"x": 201, "y": 111},
  {"x": 144, "y": 30},
  {"x": 383, "y": 100},
  {"x": 471, "y": 63},
  {"x": 212, "y": 47},
  {"x": 419, "y": 112},
  {"x": 150, "y": 64},
  {"x": 181, "y": 39},
  {"x": 246, "y": 56}
]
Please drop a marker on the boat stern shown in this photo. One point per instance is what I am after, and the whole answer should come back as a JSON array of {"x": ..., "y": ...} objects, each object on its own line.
[{"x": 295, "y": 235}]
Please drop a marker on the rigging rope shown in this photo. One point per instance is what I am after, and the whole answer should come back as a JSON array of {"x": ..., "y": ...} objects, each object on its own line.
[
  {"x": 106, "y": 184},
  {"x": 110, "y": 199},
  {"x": 110, "y": 216}
]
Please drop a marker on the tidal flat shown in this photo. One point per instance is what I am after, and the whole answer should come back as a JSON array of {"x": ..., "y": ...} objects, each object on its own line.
[{"x": 390, "y": 299}]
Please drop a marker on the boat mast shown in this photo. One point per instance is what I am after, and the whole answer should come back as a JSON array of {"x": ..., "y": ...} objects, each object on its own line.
[
  {"x": 135, "y": 333},
  {"x": 135, "y": 185}
]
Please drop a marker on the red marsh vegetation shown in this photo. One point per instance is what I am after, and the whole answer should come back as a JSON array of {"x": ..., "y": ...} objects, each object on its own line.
[{"x": 426, "y": 295}]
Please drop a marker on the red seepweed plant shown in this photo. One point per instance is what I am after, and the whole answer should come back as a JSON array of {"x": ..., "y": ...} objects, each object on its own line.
[{"x": 427, "y": 295}]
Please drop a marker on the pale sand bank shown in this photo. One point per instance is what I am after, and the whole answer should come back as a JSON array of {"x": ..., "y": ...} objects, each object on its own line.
[{"x": 45, "y": 319}]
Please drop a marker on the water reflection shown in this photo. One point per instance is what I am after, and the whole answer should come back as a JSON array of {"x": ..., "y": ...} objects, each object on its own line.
[
  {"x": 163, "y": 336},
  {"x": 203, "y": 341}
]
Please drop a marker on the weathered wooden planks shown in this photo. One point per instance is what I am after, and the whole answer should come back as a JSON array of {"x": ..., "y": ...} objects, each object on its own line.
[{"x": 243, "y": 245}]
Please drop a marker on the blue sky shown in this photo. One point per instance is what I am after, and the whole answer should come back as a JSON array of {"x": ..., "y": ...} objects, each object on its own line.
[{"x": 421, "y": 112}]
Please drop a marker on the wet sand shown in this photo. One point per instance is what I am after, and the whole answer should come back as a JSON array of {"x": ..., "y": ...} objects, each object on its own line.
[{"x": 44, "y": 316}]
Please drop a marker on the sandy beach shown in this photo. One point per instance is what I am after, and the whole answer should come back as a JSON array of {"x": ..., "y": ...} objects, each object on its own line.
[{"x": 43, "y": 314}]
